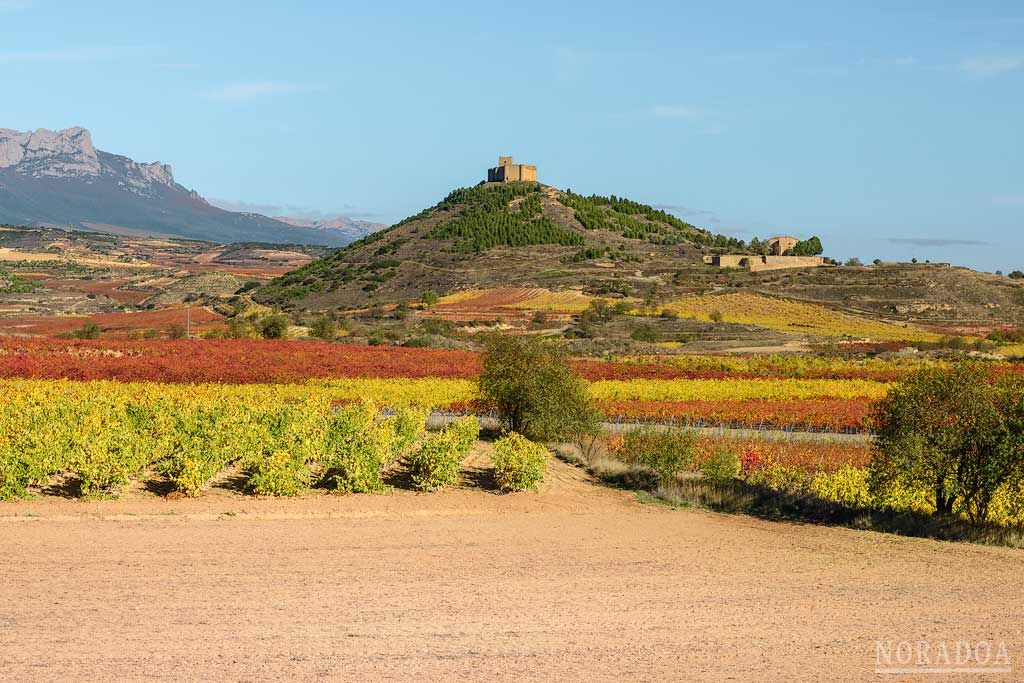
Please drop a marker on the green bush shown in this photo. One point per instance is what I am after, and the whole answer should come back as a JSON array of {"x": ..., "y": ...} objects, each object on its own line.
[
  {"x": 323, "y": 328},
  {"x": 665, "y": 452},
  {"x": 465, "y": 431},
  {"x": 15, "y": 475},
  {"x": 722, "y": 465},
  {"x": 357, "y": 450},
  {"x": 519, "y": 464},
  {"x": 435, "y": 464},
  {"x": 274, "y": 326},
  {"x": 535, "y": 390},
  {"x": 406, "y": 427},
  {"x": 281, "y": 473}
]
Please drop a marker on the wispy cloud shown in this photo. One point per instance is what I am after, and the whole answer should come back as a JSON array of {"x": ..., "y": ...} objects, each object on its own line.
[
  {"x": 990, "y": 66},
  {"x": 291, "y": 210},
  {"x": 702, "y": 216},
  {"x": 61, "y": 56},
  {"x": 938, "y": 243},
  {"x": 675, "y": 111},
  {"x": 250, "y": 90}
]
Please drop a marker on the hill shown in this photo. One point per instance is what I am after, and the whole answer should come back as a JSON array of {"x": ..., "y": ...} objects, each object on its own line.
[
  {"x": 506, "y": 250},
  {"x": 503, "y": 234},
  {"x": 59, "y": 179}
]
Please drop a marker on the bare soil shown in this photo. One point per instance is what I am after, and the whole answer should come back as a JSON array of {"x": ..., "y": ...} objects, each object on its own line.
[{"x": 578, "y": 582}]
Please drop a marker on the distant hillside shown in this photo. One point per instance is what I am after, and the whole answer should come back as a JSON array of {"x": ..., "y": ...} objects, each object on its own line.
[
  {"x": 525, "y": 235},
  {"x": 58, "y": 179},
  {"x": 496, "y": 234},
  {"x": 351, "y": 229}
]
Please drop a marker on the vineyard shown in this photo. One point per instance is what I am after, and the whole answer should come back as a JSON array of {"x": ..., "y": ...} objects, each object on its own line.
[
  {"x": 99, "y": 436},
  {"x": 802, "y": 392},
  {"x": 791, "y": 316}
]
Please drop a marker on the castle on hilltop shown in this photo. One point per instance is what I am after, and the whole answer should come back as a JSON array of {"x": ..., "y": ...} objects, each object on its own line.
[{"x": 508, "y": 172}]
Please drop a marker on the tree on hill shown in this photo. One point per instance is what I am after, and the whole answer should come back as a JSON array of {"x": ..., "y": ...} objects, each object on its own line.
[{"x": 808, "y": 247}]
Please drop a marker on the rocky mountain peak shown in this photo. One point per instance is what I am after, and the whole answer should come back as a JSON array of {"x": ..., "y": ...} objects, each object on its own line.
[
  {"x": 69, "y": 153},
  {"x": 42, "y": 152}
]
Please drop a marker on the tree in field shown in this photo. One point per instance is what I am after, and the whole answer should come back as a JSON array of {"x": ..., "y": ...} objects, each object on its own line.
[
  {"x": 952, "y": 435},
  {"x": 535, "y": 390}
]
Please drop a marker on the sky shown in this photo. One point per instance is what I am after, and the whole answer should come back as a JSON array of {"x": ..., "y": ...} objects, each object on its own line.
[{"x": 892, "y": 129}]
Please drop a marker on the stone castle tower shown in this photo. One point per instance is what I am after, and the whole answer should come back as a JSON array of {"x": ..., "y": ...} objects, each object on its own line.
[{"x": 508, "y": 172}]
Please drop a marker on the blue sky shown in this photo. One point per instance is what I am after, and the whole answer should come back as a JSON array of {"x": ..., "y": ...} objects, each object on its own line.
[{"x": 891, "y": 129}]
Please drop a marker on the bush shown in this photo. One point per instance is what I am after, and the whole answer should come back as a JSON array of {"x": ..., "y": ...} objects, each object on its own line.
[
  {"x": 436, "y": 463},
  {"x": 847, "y": 486},
  {"x": 87, "y": 331},
  {"x": 406, "y": 426},
  {"x": 274, "y": 326},
  {"x": 176, "y": 331},
  {"x": 323, "y": 328},
  {"x": 15, "y": 475},
  {"x": 665, "y": 452},
  {"x": 357, "y": 450},
  {"x": 281, "y": 473},
  {"x": 519, "y": 464},
  {"x": 535, "y": 390},
  {"x": 465, "y": 432},
  {"x": 722, "y": 465},
  {"x": 644, "y": 333},
  {"x": 194, "y": 453}
]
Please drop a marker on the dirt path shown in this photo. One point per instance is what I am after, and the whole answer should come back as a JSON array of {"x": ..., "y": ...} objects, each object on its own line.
[{"x": 578, "y": 582}]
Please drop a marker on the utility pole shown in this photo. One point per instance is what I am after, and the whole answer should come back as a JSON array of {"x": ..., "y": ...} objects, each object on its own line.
[{"x": 188, "y": 324}]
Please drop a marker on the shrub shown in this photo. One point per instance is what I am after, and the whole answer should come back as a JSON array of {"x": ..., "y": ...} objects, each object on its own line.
[
  {"x": 357, "y": 450},
  {"x": 274, "y": 326},
  {"x": 519, "y": 464},
  {"x": 281, "y": 473},
  {"x": 644, "y": 333},
  {"x": 111, "y": 443},
  {"x": 722, "y": 465},
  {"x": 406, "y": 427},
  {"x": 176, "y": 331},
  {"x": 87, "y": 331},
  {"x": 780, "y": 477},
  {"x": 437, "y": 461},
  {"x": 535, "y": 390},
  {"x": 323, "y": 328},
  {"x": 665, "y": 452},
  {"x": 15, "y": 474},
  {"x": 847, "y": 486},
  {"x": 465, "y": 432}
]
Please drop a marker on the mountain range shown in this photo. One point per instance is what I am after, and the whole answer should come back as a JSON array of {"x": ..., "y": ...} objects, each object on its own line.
[{"x": 59, "y": 179}]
